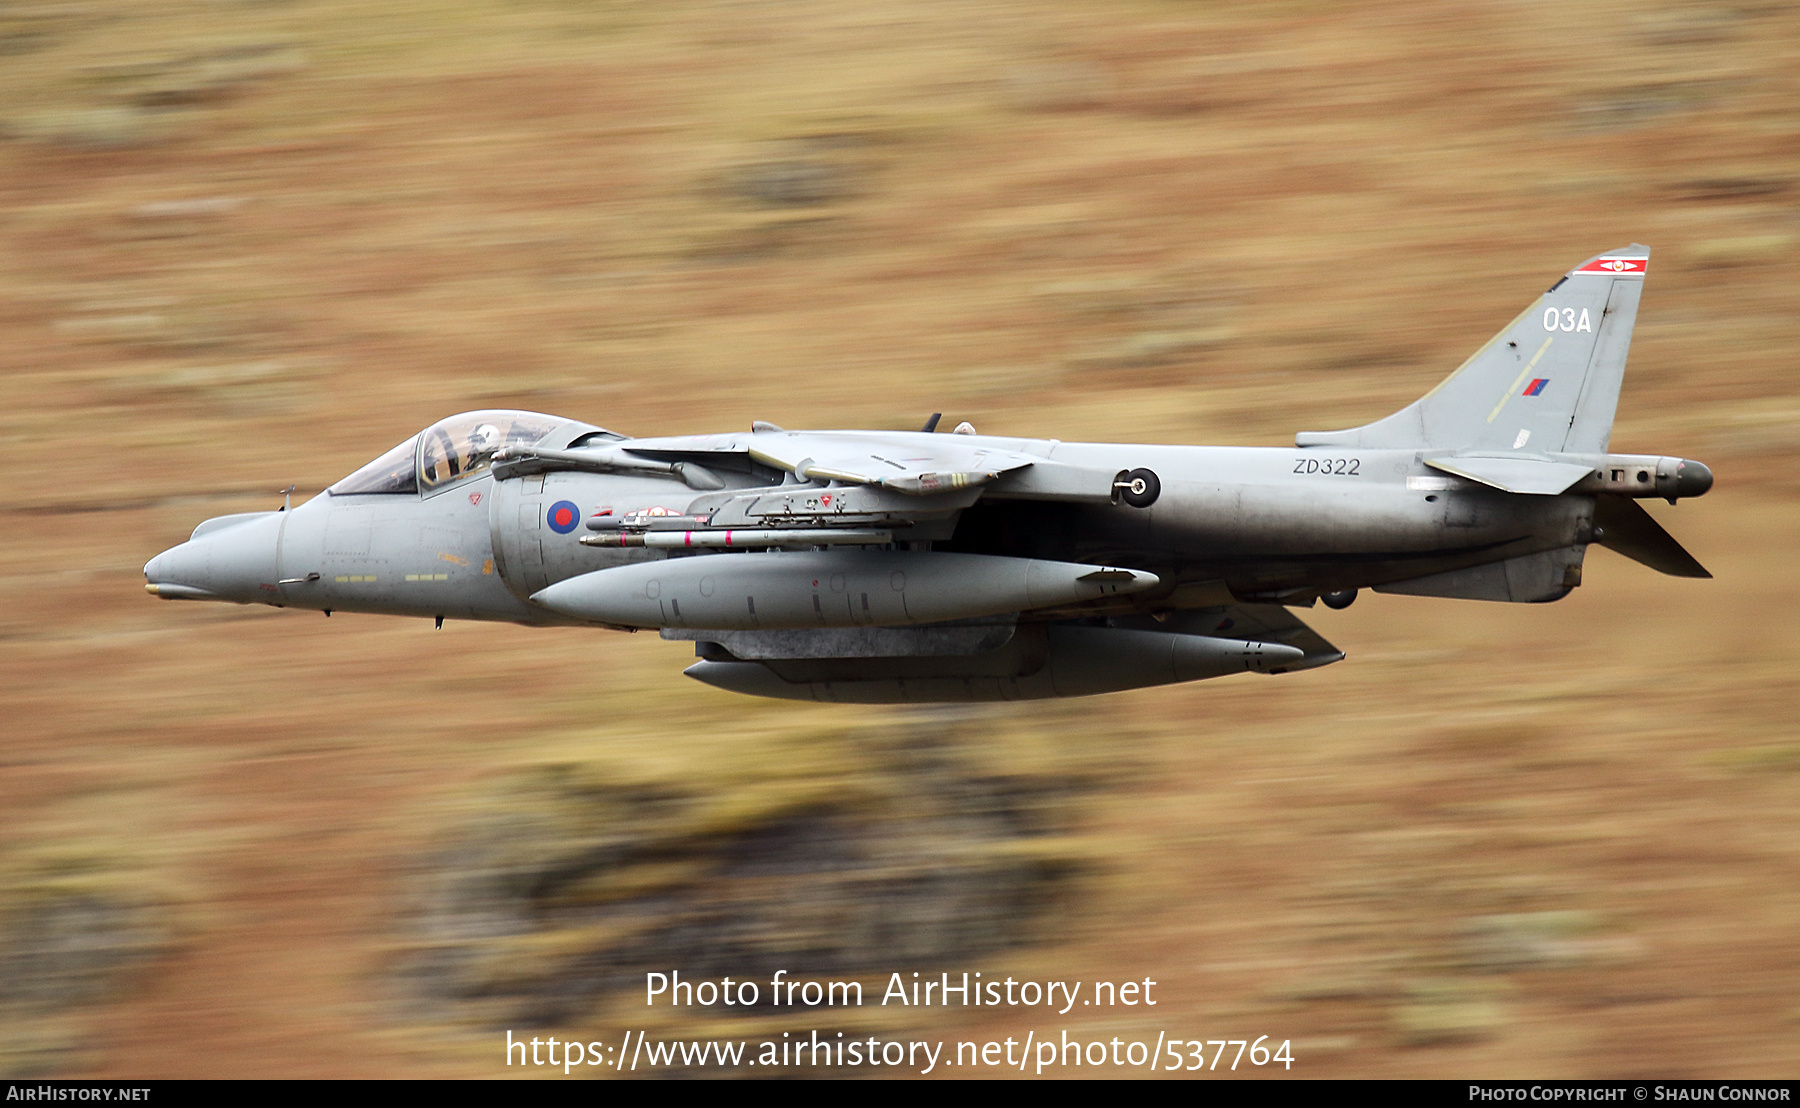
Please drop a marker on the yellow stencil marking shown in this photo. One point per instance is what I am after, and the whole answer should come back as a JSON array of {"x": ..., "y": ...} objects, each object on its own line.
[
  {"x": 442, "y": 557},
  {"x": 1471, "y": 359},
  {"x": 487, "y": 565},
  {"x": 1523, "y": 373}
]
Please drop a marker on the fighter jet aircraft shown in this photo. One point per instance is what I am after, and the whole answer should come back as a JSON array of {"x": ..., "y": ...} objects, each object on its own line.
[{"x": 888, "y": 567}]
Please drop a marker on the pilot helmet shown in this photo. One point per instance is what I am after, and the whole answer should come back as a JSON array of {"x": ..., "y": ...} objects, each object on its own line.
[{"x": 485, "y": 439}]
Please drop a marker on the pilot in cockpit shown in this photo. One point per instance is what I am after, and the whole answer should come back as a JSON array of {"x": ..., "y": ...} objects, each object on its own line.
[{"x": 483, "y": 441}]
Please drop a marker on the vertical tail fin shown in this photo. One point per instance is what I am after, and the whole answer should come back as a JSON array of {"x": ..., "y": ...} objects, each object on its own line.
[{"x": 1547, "y": 383}]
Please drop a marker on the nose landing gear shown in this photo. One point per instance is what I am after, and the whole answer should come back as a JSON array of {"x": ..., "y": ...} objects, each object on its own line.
[{"x": 1339, "y": 600}]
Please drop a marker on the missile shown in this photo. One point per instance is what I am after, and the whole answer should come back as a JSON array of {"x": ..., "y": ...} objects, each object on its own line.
[
  {"x": 812, "y": 588},
  {"x": 730, "y": 538},
  {"x": 642, "y": 521}
]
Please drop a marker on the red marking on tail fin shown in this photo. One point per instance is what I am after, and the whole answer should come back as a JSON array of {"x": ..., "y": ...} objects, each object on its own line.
[{"x": 1616, "y": 265}]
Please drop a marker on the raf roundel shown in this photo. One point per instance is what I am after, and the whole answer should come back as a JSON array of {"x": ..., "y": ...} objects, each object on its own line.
[{"x": 563, "y": 517}]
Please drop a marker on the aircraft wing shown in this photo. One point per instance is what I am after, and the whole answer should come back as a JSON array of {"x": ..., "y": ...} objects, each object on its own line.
[
  {"x": 911, "y": 463},
  {"x": 879, "y": 479}
]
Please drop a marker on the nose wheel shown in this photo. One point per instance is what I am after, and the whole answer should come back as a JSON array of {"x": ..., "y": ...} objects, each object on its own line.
[
  {"x": 1138, "y": 488},
  {"x": 1339, "y": 600}
]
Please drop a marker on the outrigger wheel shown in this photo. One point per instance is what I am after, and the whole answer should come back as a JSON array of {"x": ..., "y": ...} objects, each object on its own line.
[{"x": 1138, "y": 488}]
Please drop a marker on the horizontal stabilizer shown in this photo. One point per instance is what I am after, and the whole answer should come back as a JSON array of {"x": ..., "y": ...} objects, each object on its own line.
[
  {"x": 1533, "y": 476},
  {"x": 1623, "y": 525}
]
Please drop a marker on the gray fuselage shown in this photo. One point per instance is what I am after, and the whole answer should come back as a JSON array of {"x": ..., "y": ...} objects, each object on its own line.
[{"x": 1265, "y": 522}]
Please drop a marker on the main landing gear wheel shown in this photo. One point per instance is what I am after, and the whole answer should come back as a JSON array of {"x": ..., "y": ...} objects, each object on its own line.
[
  {"x": 1139, "y": 488},
  {"x": 1339, "y": 600}
]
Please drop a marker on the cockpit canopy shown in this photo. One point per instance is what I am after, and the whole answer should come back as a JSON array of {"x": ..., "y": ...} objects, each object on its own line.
[{"x": 447, "y": 451}]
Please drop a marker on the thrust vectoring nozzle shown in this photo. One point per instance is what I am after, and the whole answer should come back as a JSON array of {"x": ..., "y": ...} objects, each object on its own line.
[{"x": 830, "y": 589}]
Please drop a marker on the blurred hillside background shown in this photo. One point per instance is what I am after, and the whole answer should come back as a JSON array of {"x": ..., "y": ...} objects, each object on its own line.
[{"x": 252, "y": 243}]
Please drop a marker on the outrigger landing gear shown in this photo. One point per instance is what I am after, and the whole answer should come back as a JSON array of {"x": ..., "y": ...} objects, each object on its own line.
[{"x": 1138, "y": 488}]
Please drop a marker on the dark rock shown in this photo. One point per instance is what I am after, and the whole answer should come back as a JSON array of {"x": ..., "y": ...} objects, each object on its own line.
[{"x": 535, "y": 916}]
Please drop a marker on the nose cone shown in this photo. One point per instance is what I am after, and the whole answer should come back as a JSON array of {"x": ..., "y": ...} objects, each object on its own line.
[
  {"x": 234, "y": 560},
  {"x": 1692, "y": 479},
  {"x": 176, "y": 572}
]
